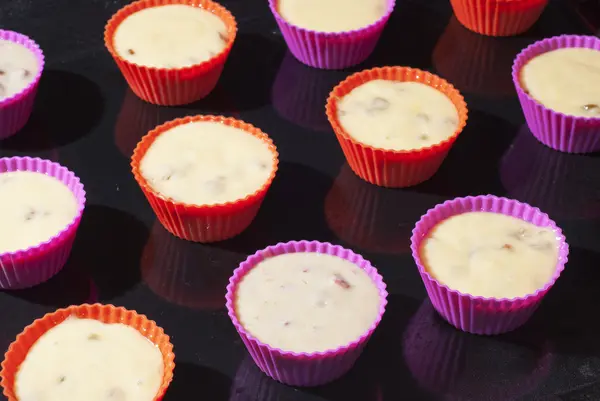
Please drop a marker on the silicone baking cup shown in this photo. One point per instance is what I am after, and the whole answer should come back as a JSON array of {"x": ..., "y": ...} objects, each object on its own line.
[
  {"x": 475, "y": 314},
  {"x": 498, "y": 17},
  {"x": 34, "y": 265},
  {"x": 203, "y": 223},
  {"x": 303, "y": 369},
  {"x": 171, "y": 86},
  {"x": 559, "y": 131},
  {"x": 394, "y": 168},
  {"x": 331, "y": 50},
  {"x": 17, "y": 351},
  {"x": 16, "y": 109}
]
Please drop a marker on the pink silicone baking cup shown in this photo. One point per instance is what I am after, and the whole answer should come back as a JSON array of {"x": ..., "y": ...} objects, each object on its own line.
[
  {"x": 559, "y": 131},
  {"x": 16, "y": 109},
  {"x": 31, "y": 266},
  {"x": 498, "y": 17},
  {"x": 303, "y": 369},
  {"x": 475, "y": 314},
  {"x": 331, "y": 50}
]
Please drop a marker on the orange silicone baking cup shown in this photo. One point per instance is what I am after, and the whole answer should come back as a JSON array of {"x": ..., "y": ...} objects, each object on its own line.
[
  {"x": 18, "y": 350},
  {"x": 171, "y": 86},
  {"x": 203, "y": 223},
  {"x": 394, "y": 168},
  {"x": 498, "y": 17}
]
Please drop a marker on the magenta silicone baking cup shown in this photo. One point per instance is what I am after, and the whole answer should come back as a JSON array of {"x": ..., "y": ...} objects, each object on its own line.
[
  {"x": 559, "y": 131},
  {"x": 303, "y": 369},
  {"x": 475, "y": 314},
  {"x": 331, "y": 50},
  {"x": 34, "y": 265},
  {"x": 16, "y": 109}
]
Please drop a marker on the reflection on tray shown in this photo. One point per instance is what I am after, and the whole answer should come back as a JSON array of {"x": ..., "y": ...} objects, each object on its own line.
[
  {"x": 299, "y": 93},
  {"x": 250, "y": 384},
  {"x": 185, "y": 273},
  {"x": 372, "y": 218},
  {"x": 447, "y": 361},
  {"x": 475, "y": 63},
  {"x": 560, "y": 184}
]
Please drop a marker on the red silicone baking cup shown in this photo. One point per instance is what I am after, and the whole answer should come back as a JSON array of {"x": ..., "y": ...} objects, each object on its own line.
[
  {"x": 303, "y": 369},
  {"x": 34, "y": 265},
  {"x": 476, "y": 314},
  {"x": 394, "y": 168},
  {"x": 206, "y": 223},
  {"x": 17, "y": 351},
  {"x": 16, "y": 109},
  {"x": 171, "y": 86},
  {"x": 498, "y": 17}
]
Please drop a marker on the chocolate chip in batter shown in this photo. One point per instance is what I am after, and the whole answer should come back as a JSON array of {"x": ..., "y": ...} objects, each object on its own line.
[
  {"x": 450, "y": 121},
  {"x": 30, "y": 215},
  {"x": 423, "y": 117},
  {"x": 131, "y": 51},
  {"x": 592, "y": 108},
  {"x": 224, "y": 37},
  {"x": 94, "y": 337},
  {"x": 542, "y": 246},
  {"x": 339, "y": 280},
  {"x": 286, "y": 323},
  {"x": 508, "y": 247},
  {"x": 26, "y": 73},
  {"x": 116, "y": 394},
  {"x": 378, "y": 104},
  {"x": 520, "y": 234},
  {"x": 423, "y": 137},
  {"x": 2, "y": 72},
  {"x": 305, "y": 270},
  {"x": 341, "y": 113},
  {"x": 61, "y": 379}
]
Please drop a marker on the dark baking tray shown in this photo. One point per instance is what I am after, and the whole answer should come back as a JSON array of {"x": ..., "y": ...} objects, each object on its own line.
[{"x": 87, "y": 119}]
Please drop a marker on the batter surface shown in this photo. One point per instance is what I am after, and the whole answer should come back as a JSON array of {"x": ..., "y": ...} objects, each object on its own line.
[
  {"x": 18, "y": 68},
  {"x": 397, "y": 115},
  {"x": 307, "y": 302},
  {"x": 565, "y": 80},
  {"x": 205, "y": 163},
  {"x": 33, "y": 208},
  {"x": 332, "y": 15},
  {"x": 490, "y": 255},
  {"x": 171, "y": 36},
  {"x": 84, "y": 359}
]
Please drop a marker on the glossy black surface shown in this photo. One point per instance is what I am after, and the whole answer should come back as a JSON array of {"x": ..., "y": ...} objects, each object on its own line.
[{"x": 87, "y": 119}]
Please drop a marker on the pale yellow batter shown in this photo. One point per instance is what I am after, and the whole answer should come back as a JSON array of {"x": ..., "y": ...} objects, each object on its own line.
[
  {"x": 84, "y": 359},
  {"x": 18, "y": 68},
  {"x": 33, "y": 208},
  {"x": 307, "y": 302},
  {"x": 170, "y": 36},
  {"x": 565, "y": 80},
  {"x": 332, "y": 15},
  {"x": 490, "y": 255},
  {"x": 205, "y": 163},
  {"x": 397, "y": 115}
]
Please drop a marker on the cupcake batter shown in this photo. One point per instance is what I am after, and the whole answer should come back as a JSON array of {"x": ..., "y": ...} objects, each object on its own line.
[
  {"x": 18, "y": 68},
  {"x": 307, "y": 302},
  {"x": 397, "y": 115},
  {"x": 84, "y": 359},
  {"x": 490, "y": 255},
  {"x": 206, "y": 163},
  {"x": 332, "y": 15},
  {"x": 34, "y": 207},
  {"x": 565, "y": 80},
  {"x": 170, "y": 36}
]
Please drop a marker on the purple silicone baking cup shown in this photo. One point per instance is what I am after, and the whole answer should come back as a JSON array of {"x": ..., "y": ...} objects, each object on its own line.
[
  {"x": 16, "y": 109},
  {"x": 32, "y": 266},
  {"x": 475, "y": 314},
  {"x": 331, "y": 50},
  {"x": 304, "y": 369},
  {"x": 557, "y": 130}
]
